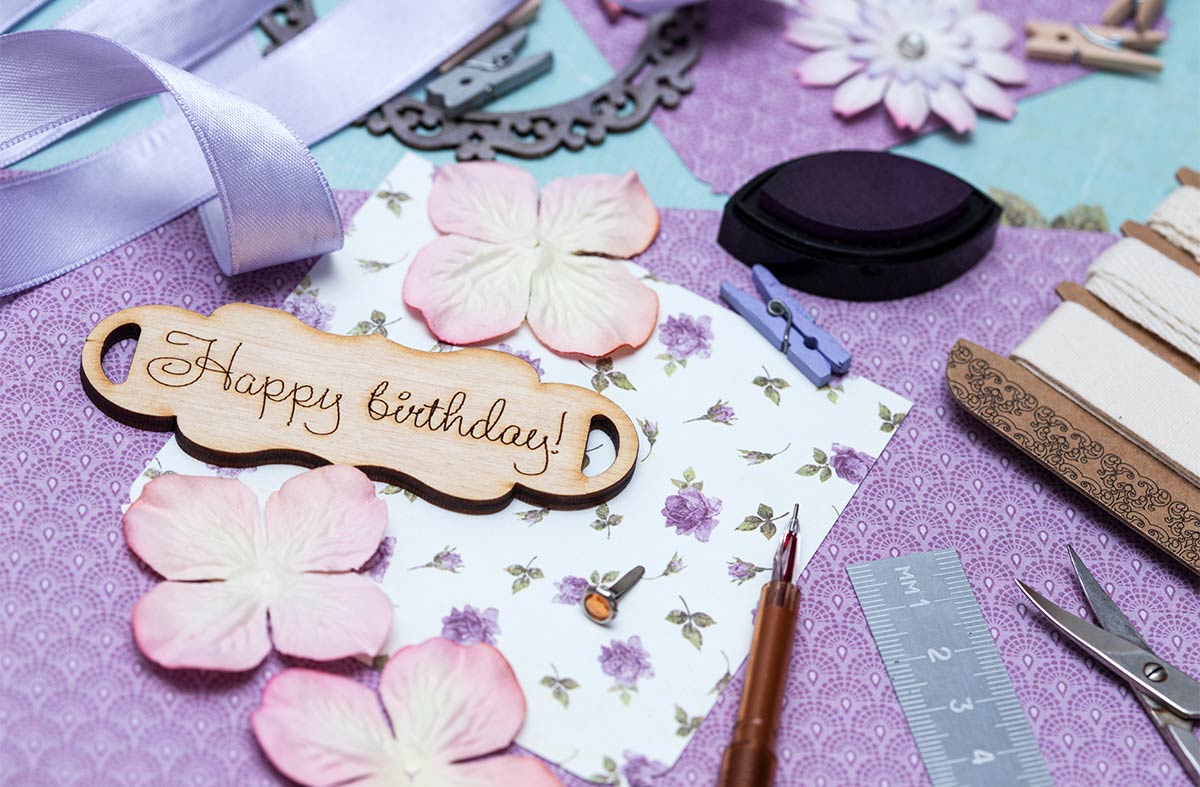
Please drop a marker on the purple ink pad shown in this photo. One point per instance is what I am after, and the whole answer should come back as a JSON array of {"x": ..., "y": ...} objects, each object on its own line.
[{"x": 860, "y": 225}]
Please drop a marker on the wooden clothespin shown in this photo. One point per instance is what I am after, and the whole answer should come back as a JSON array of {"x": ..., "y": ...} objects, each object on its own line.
[
  {"x": 788, "y": 326},
  {"x": 486, "y": 75},
  {"x": 1094, "y": 46},
  {"x": 1145, "y": 13}
]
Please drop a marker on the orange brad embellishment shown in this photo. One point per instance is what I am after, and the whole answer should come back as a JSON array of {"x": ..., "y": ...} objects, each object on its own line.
[{"x": 600, "y": 603}]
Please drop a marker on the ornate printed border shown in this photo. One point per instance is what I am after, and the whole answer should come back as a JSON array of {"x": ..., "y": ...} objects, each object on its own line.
[{"x": 1122, "y": 478}]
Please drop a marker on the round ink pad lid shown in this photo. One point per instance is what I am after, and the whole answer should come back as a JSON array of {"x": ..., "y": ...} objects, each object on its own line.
[{"x": 860, "y": 225}]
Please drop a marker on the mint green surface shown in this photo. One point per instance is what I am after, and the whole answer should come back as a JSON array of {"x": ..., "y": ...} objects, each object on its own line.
[{"x": 1107, "y": 139}]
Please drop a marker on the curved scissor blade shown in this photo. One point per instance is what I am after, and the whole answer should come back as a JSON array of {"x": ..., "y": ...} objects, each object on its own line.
[
  {"x": 1107, "y": 613},
  {"x": 1130, "y": 660}
]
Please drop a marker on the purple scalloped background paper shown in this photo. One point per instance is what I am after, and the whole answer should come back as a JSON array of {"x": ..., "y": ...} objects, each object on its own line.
[
  {"x": 748, "y": 111},
  {"x": 78, "y": 705}
]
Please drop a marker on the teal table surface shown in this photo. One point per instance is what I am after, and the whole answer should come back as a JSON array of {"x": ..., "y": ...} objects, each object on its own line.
[{"x": 1107, "y": 139}]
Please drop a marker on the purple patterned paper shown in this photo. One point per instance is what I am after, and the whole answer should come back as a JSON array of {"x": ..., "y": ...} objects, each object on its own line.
[
  {"x": 748, "y": 111},
  {"x": 79, "y": 705}
]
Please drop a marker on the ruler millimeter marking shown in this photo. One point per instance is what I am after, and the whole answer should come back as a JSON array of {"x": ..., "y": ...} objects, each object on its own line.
[{"x": 960, "y": 704}]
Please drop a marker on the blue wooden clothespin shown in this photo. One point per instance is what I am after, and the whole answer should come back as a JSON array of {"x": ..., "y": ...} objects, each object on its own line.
[{"x": 788, "y": 326}]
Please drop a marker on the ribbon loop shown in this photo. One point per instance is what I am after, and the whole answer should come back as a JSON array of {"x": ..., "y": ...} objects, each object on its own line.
[{"x": 276, "y": 204}]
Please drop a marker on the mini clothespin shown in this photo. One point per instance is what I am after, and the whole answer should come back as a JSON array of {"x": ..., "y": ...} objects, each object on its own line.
[
  {"x": 486, "y": 75},
  {"x": 788, "y": 326},
  {"x": 1145, "y": 13},
  {"x": 1094, "y": 46}
]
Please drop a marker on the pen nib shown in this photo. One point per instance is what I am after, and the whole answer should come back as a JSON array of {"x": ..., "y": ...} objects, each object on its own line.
[{"x": 785, "y": 559}]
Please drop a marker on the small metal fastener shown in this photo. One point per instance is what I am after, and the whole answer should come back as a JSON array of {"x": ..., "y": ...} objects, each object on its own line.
[
  {"x": 777, "y": 308},
  {"x": 1155, "y": 672},
  {"x": 600, "y": 604}
]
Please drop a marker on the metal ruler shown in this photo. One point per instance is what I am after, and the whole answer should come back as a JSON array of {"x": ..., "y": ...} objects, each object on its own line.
[{"x": 960, "y": 704}]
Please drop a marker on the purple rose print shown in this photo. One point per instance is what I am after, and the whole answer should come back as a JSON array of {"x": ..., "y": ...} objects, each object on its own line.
[
  {"x": 377, "y": 565},
  {"x": 686, "y": 336},
  {"x": 309, "y": 310},
  {"x": 626, "y": 662},
  {"x": 472, "y": 626},
  {"x": 229, "y": 472},
  {"x": 524, "y": 355},
  {"x": 741, "y": 571},
  {"x": 640, "y": 771},
  {"x": 570, "y": 590},
  {"x": 446, "y": 560},
  {"x": 691, "y": 513},
  {"x": 719, "y": 413},
  {"x": 848, "y": 464}
]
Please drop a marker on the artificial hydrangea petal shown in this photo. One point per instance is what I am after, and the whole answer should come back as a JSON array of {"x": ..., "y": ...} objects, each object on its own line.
[
  {"x": 503, "y": 770},
  {"x": 328, "y": 519},
  {"x": 330, "y": 616},
  {"x": 598, "y": 214},
  {"x": 859, "y": 92},
  {"x": 321, "y": 729},
  {"x": 947, "y": 102},
  {"x": 451, "y": 702},
  {"x": 987, "y": 30},
  {"x": 188, "y": 527},
  {"x": 590, "y": 306},
  {"x": 987, "y": 95},
  {"x": 487, "y": 201},
  {"x": 908, "y": 104},
  {"x": 1002, "y": 67},
  {"x": 469, "y": 291},
  {"x": 828, "y": 68},
  {"x": 203, "y": 625}
]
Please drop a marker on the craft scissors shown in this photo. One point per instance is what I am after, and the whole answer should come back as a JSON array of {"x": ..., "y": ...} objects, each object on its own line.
[
  {"x": 788, "y": 326},
  {"x": 1170, "y": 697}
]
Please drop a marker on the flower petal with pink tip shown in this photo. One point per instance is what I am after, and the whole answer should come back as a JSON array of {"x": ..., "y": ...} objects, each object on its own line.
[
  {"x": 506, "y": 769},
  {"x": 330, "y": 616},
  {"x": 469, "y": 291},
  {"x": 828, "y": 68},
  {"x": 987, "y": 95},
  {"x": 203, "y": 625},
  {"x": 590, "y": 306},
  {"x": 328, "y": 519},
  {"x": 451, "y": 702},
  {"x": 860, "y": 92},
  {"x": 1002, "y": 67},
  {"x": 321, "y": 729},
  {"x": 487, "y": 201},
  {"x": 987, "y": 30},
  {"x": 598, "y": 214},
  {"x": 187, "y": 527},
  {"x": 947, "y": 102},
  {"x": 815, "y": 33},
  {"x": 907, "y": 103}
]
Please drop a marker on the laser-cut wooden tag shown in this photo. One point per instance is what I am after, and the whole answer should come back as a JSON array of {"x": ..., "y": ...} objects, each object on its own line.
[{"x": 468, "y": 430}]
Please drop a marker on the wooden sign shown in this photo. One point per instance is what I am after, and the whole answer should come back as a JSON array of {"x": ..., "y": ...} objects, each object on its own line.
[{"x": 468, "y": 430}]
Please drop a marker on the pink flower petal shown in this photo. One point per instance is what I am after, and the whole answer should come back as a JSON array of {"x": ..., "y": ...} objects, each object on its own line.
[
  {"x": 908, "y": 104},
  {"x": 988, "y": 96},
  {"x": 188, "y": 527},
  {"x": 452, "y": 702},
  {"x": 202, "y": 625},
  {"x": 328, "y": 519},
  {"x": 815, "y": 33},
  {"x": 590, "y": 306},
  {"x": 987, "y": 30},
  {"x": 598, "y": 214},
  {"x": 485, "y": 200},
  {"x": 828, "y": 68},
  {"x": 321, "y": 729},
  {"x": 858, "y": 93},
  {"x": 832, "y": 10},
  {"x": 330, "y": 616},
  {"x": 503, "y": 770},
  {"x": 1002, "y": 67},
  {"x": 469, "y": 291},
  {"x": 947, "y": 102}
]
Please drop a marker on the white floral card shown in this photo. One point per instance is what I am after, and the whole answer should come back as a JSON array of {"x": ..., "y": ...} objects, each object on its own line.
[{"x": 731, "y": 437}]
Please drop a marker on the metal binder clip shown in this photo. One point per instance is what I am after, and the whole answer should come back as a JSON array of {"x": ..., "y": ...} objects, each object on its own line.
[
  {"x": 488, "y": 74},
  {"x": 788, "y": 326}
]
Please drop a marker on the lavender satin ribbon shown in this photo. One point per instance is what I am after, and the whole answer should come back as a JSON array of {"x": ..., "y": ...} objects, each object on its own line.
[
  {"x": 13, "y": 11},
  {"x": 181, "y": 32},
  {"x": 275, "y": 202},
  {"x": 363, "y": 53}
]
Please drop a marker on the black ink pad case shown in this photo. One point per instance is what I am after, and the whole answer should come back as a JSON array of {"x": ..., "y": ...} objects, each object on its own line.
[{"x": 860, "y": 225}]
